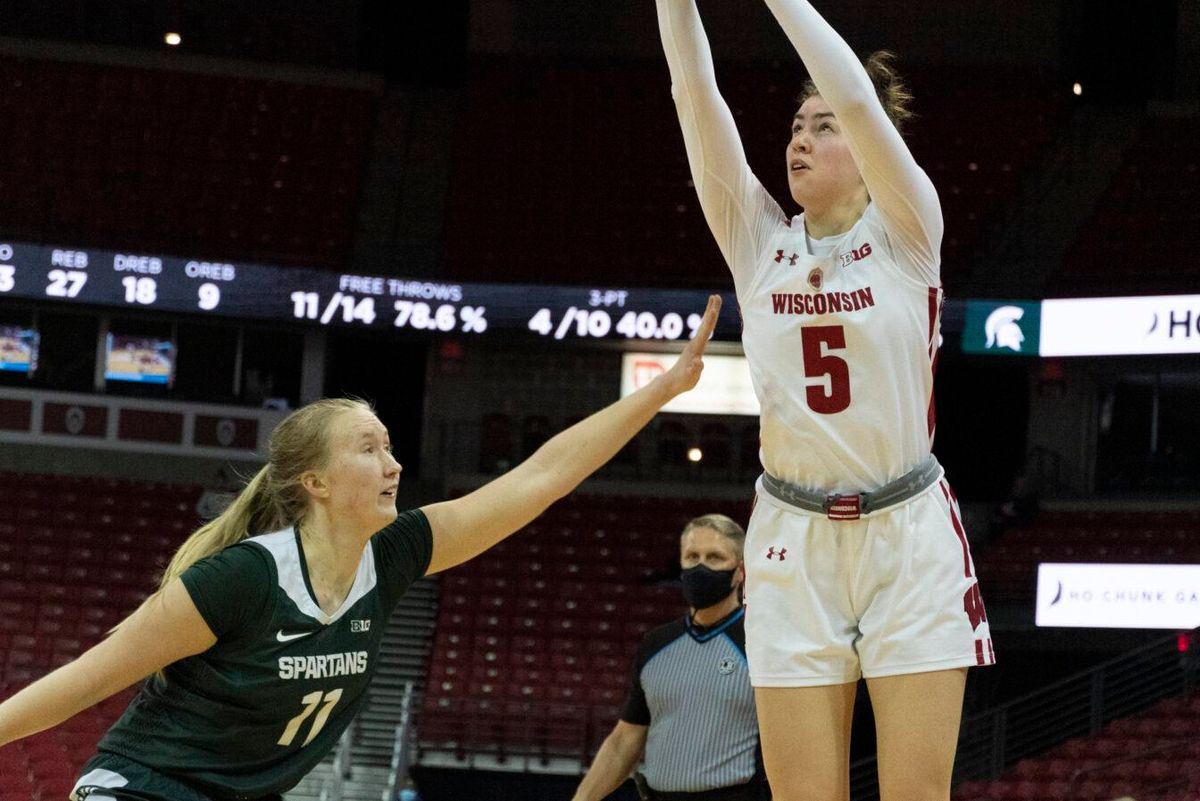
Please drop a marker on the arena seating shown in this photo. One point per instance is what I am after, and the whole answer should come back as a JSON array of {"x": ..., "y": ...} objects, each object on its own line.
[
  {"x": 46, "y": 765},
  {"x": 579, "y": 171},
  {"x": 534, "y": 642},
  {"x": 1153, "y": 757},
  {"x": 181, "y": 163},
  {"x": 76, "y": 556},
  {"x": 1008, "y": 567},
  {"x": 1143, "y": 231}
]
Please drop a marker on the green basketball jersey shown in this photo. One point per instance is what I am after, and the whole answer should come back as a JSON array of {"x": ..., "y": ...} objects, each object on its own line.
[{"x": 257, "y": 711}]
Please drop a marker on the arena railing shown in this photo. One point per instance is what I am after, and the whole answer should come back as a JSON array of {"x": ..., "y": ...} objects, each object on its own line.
[
  {"x": 1178, "y": 752},
  {"x": 333, "y": 788},
  {"x": 1079, "y": 705},
  {"x": 401, "y": 746}
]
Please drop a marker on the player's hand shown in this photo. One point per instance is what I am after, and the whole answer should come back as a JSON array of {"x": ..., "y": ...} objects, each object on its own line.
[{"x": 686, "y": 371}]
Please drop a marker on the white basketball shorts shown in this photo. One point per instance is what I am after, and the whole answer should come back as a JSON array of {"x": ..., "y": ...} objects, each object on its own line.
[{"x": 893, "y": 592}]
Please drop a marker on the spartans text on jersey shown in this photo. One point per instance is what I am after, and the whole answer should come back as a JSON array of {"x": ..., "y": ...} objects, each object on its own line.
[
  {"x": 820, "y": 302},
  {"x": 323, "y": 666}
]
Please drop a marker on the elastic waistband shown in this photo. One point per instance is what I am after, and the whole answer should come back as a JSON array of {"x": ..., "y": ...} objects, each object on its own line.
[{"x": 851, "y": 506}]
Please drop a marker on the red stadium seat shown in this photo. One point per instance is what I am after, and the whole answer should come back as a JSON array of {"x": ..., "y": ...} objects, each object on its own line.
[
  {"x": 551, "y": 636},
  {"x": 229, "y": 172}
]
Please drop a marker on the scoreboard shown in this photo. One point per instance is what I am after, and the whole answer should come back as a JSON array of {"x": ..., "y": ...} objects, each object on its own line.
[{"x": 323, "y": 298}]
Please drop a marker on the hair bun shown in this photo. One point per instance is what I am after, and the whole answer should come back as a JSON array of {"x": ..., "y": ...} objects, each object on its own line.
[
  {"x": 890, "y": 88},
  {"x": 893, "y": 93}
]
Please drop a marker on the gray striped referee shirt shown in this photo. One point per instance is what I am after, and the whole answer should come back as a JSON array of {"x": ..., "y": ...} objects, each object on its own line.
[{"x": 692, "y": 688}]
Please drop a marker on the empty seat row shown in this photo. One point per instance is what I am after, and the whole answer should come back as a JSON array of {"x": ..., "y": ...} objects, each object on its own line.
[
  {"x": 1008, "y": 568},
  {"x": 1137, "y": 756},
  {"x": 638, "y": 219},
  {"x": 551, "y": 618},
  {"x": 245, "y": 168},
  {"x": 1147, "y": 217}
]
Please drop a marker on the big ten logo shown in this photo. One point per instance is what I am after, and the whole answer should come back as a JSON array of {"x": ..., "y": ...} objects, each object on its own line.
[
  {"x": 858, "y": 254},
  {"x": 360, "y": 625}
]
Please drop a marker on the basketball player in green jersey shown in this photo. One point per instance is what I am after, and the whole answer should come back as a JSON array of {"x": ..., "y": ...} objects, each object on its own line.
[{"x": 266, "y": 627}]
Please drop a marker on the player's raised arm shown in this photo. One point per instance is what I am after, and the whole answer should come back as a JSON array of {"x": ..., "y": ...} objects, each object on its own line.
[
  {"x": 163, "y": 630},
  {"x": 467, "y": 526},
  {"x": 733, "y": 200},
  {"x": 902, "y": 192}
]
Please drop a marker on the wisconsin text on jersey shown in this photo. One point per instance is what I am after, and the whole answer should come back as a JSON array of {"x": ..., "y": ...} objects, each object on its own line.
[
  {"x": 822, "y": 303},
  {"x": 324, "y": 666}
]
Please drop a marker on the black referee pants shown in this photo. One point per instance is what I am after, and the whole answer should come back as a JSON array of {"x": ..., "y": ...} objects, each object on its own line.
[{"x": 751, "y": 791}]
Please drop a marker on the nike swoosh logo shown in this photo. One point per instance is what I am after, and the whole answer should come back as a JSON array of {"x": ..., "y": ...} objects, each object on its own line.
[{"x": 286, "y": 637}]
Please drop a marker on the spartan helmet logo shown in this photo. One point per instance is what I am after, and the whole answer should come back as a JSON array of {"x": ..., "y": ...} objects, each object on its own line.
[{"x": 1002, "y": 329}]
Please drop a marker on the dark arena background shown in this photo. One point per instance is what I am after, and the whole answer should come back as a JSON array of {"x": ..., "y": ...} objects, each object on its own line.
[{"x": 473, "y": 214}]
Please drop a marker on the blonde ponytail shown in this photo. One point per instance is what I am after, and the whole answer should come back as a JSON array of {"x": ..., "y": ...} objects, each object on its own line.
[
  {"x": 253, "y": 510},
  {"x": 274, "y": 498}
]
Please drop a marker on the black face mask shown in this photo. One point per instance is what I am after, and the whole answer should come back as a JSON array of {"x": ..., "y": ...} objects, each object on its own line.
[{"x": 704, "y": 587}]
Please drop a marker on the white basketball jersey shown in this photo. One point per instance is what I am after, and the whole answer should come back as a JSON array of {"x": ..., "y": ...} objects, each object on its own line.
[{"x": 842, "y": 344}]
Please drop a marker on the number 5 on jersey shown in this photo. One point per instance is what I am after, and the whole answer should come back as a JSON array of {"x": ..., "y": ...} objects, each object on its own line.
[
  {"x": 311, "y": 702},
  {"x": 815, "y": 340}
]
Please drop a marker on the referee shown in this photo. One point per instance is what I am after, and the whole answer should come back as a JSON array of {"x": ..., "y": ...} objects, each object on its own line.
[{"x": 690, "y": 710}]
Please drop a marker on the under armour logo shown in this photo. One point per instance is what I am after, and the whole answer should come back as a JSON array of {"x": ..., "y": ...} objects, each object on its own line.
[
  {"x": 779, "y": 257},
  {"x": 781, "y": 553}
]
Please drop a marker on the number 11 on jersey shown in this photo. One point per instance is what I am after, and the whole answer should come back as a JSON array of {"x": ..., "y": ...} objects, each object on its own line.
[{"x": 311, "y": 702}]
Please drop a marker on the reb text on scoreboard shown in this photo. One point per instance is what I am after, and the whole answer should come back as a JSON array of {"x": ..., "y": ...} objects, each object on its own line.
[{"x": 170, "y": 284}]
